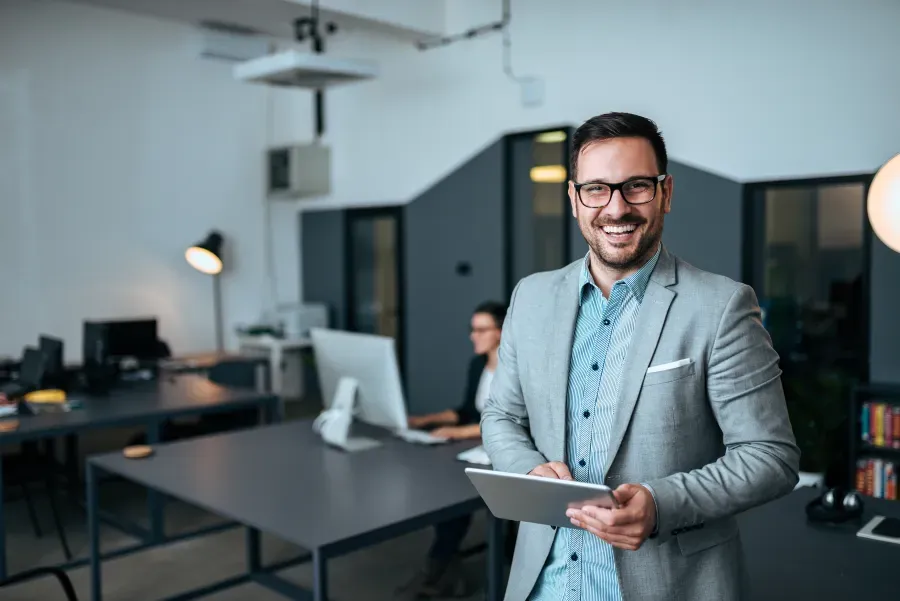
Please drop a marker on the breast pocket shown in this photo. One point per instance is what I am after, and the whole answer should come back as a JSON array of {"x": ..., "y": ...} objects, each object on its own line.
[{"x": 668, "y": 372}]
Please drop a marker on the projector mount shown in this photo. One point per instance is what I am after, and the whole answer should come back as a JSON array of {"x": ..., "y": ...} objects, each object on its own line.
[{"x": 308, "y": 28}]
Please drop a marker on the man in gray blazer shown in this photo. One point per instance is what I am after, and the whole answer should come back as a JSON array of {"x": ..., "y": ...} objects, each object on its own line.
[{"x": 635, "y": 369}]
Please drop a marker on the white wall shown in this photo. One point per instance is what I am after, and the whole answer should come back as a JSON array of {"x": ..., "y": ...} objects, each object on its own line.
[
  {"x": 751, "y": 89},
  {"x": 119, "y": 147}
]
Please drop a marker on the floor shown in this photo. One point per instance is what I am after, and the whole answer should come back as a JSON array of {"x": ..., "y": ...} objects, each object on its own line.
[{"x": 371, "y": 574}]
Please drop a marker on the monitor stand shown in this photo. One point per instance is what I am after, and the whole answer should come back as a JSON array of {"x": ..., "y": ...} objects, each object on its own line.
[{"x": 334, "y": 424}]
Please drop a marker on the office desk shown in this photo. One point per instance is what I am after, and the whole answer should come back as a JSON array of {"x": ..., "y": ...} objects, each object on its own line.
[
  {"x": 146, "y": 404},
  {"x": 285, "y": 481},
  {"x": 791, "y": 560}
]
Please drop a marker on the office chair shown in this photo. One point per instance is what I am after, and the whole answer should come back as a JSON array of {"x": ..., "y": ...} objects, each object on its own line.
[
  {"x": 29, "y": 466},
  {"x": 36, "y": 573},
  {"x": 233, "y": 373}
]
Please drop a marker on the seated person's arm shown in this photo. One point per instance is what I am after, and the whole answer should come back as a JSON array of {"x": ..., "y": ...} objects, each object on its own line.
[
  {"x": 458, "y": 432},
  {"x": 444, "y": 418}
]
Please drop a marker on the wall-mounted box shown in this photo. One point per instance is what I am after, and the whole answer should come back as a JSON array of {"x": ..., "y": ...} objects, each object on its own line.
[{"x": 298, "y": 171}]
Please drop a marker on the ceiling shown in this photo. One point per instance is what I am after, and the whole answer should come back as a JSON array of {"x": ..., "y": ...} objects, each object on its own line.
[{"x": 405, "y": 19}]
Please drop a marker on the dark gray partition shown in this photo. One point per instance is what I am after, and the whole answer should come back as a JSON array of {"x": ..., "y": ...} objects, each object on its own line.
[
  {"x": 884, "y": 343},
  {"x": 453, "y": 237},
  {"x": 704, "y": 226},
  {"x": 322, "y": 251}
]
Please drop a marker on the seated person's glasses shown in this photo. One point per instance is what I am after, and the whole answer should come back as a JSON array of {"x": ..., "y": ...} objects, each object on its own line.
[{"x": 635, "y": 191}]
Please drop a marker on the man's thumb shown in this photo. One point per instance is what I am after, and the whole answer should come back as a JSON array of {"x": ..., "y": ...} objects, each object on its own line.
[{"x": 625, "y": 491}]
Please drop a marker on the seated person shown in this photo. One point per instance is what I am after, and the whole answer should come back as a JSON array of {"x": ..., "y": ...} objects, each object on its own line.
[{"x": 442, "y": 575}]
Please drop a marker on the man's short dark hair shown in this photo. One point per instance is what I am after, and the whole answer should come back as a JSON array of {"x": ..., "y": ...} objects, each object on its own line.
[
  {"x": 619, "y": 125},
  {"x": 494, "y": 309}
]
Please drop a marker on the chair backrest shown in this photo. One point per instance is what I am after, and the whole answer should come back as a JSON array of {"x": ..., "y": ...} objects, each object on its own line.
[{"x": 236, "y": 373}]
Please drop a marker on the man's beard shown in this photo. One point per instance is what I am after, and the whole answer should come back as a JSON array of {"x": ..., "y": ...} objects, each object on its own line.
[{"x": 646, "y": 244}]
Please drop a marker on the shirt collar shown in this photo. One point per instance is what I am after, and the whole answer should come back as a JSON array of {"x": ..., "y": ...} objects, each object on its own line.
[{"x": 637, "y": 282}]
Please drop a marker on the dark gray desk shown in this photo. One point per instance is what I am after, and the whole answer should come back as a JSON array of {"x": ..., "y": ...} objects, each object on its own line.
[
  {"x": 146, "y": 404},
  {"x": 791, "y": 560},
  {"x": 283, "y": 480}
]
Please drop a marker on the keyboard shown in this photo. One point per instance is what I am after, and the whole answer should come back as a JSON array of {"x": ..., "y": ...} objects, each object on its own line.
[{"x": 419, "y": 437}]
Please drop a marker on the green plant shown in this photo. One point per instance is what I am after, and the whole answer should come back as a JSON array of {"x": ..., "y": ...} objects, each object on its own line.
[{"x": 817, "y": 405}]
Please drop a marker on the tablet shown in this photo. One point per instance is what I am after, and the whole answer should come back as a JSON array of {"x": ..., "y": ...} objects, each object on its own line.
[{"x": 535, "y": 499}]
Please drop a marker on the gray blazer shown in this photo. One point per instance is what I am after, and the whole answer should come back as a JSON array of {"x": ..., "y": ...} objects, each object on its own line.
[{"x": 710, "y": 435}]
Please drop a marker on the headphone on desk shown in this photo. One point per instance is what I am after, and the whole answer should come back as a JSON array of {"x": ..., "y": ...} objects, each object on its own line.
[{"x": 835, "y": 506}]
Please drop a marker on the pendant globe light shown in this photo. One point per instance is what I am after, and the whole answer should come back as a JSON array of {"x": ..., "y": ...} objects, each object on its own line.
[{"x": 883, "y": 204}]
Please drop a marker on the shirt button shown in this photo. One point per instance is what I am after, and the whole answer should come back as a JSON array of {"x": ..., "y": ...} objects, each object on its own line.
[
  {"x": 574, "y": 556},
  {"x": 581, "y": 463},
  {"x": 587, "y": 413},
  {"x": 595, "y": 367},
  {"x": 606, "y": 322}
]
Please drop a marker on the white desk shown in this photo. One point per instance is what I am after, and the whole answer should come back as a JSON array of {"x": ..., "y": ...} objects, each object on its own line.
[{"x": 285, "y": 361}]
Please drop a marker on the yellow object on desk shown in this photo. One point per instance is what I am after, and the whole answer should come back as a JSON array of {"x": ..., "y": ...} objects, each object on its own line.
[{"x": 51, "y": 395}]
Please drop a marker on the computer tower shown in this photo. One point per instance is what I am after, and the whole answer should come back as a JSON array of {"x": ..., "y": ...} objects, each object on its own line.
[{"x": 99, "y": 372}]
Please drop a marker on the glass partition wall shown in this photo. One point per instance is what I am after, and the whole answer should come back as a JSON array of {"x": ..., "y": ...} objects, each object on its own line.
[{"x": 806, "y": 255}]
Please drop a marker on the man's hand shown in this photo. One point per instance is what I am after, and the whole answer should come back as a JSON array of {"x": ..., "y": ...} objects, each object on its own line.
[
  {"x": 554, "y": 469},
  {"x": 626, "y": 527}
]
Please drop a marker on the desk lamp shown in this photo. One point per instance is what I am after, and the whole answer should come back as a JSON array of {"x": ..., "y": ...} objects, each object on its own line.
[
  {"x": 206, "y": 257},
  {"x": 884, "y": 204}
]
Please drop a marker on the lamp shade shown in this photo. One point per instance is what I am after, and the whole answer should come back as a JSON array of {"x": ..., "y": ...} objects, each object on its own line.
[
  {"x": 206, "y": 256},
  {"x": 884, "y": 203}
]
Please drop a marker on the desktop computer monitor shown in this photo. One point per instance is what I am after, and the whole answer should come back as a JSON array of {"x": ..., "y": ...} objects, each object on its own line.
[
  {"x": 135, "y": 338},
  {"x": 369, "y": 359}
]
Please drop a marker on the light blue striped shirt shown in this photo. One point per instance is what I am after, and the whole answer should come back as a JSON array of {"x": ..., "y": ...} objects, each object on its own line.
[{"x": 581, "y": 567}]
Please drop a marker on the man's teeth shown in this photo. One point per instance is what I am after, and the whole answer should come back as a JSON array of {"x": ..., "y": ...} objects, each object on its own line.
[{"x": 619, "y": 229}]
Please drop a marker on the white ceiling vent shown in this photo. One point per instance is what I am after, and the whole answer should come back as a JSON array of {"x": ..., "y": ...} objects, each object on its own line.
[{"x": 303, "y": 70}]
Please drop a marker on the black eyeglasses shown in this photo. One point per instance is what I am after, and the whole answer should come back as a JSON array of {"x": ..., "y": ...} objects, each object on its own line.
[{"x": 635, "y": 191}]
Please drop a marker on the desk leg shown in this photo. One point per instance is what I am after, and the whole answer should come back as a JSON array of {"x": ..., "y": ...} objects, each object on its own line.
[
  {"x": 320, "y": 576},
  {"x": 155, "y": 500},
  {"x": 2, "y": 530},
  {"x": 71, "y": 463},
  {"x": 93, "y": 531},
  {"x": 274, "y": 411},
  {"x": 254, "y": 557},
  {"x": 495, "y": 558}
]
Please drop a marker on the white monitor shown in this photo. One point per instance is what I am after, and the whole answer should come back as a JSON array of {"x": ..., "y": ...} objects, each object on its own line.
[{"x": 371, "y": 361}]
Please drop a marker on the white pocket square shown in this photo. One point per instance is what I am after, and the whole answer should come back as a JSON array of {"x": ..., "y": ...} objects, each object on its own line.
[{"x": 667, "y": 366}]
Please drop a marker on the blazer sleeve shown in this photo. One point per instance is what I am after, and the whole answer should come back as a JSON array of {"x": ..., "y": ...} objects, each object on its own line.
[
  {"x": 505, "y": 425},
  {"x": 761, "y": 460},
  {"x": 467, "y": 412}
]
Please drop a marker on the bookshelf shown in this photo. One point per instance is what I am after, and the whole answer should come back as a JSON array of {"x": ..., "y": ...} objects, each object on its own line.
[{"x": 875, "y": 440}]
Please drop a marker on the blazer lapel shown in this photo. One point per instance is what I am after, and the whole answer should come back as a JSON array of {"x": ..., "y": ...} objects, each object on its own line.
[
  {"x": 559, "y": 352},
  {"x": 650, "y": 320}
]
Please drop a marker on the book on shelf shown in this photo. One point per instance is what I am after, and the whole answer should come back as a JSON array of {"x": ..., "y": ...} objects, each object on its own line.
[
  {"x": 880, "y": 424},
  {"x": 877, "y": 477}
]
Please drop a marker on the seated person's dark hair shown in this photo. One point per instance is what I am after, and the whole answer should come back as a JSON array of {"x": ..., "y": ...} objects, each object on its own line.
[{"x": 494, "y": 309}]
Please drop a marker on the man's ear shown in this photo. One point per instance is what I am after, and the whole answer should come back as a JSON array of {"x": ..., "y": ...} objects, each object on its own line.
[
  {"x": 573, "y": 199},
  {"x": 668, "y": 190}
]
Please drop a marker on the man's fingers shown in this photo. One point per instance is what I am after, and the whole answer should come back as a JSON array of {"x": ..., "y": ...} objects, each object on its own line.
[
  {"x": 554, "y": 469},
  {"x": 561, "y": 469},
  {"x": 612, "y": 517},
  {"x": 544, "y": 472}
]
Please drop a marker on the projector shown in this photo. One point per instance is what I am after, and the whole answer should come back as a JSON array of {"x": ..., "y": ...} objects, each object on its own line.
[{"x": 292, "y": 68}]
